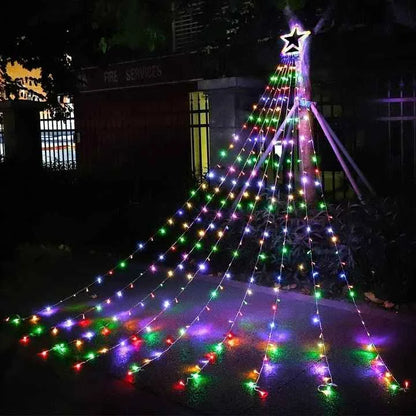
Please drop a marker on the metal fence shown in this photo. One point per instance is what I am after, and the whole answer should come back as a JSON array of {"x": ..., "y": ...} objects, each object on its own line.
[
  {"x": 58, "y": 141},
  {"x": 396, "y": 126}
]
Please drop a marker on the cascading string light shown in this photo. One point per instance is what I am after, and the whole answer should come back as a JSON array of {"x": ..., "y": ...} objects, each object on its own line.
[
  {"x": 155, "y": 317},
  {"x": 219, "y": 346},
  {"x": 377, "y": 362},
  {"x": 262, "y": 393},
  {"x": 85, "y": 289},
  {"x": 265, "y": 359},
  {"x": 131, "y": 283},
  {"x": 213, "y": 294},
  {"x": 327, "y": 385}
]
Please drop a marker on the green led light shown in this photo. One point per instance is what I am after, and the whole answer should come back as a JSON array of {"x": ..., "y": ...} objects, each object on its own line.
[
  {"x": 223, "y": 202},
  {"x": 134, "y": 368},
  {"x": 182, "y": 239},
  {"x": 314, "y": 159},
  {"x": 284, "y": 250},
  {"x": 263, "y": 256},
  {"x": 15, "y": 321},
  {"x": 198, "y": 246},
  {"x": 38, "y": 330},
  {"x": 182, "y": 331},
  {"x": 214, "y": 249},
  {"x": 251, "y": 118},
  {"x": 322, "y": 205},
  {"x": 318, "y": 294},
  {"x": 352, "y": 294},
  {"x": 214, "y": 294},
  {"x": 61, "y": 349},
  {"x": 251, "y": 385},
  {"x": 223, "y": 153},
  {"x": 208, "y": 197},
  {"x": 235, "y": 253},
  {"x": 162, "y": 231},
  {"x": 239, "y": 158},
  {"x": 90, "y": 356},
  {"x": 99, "y": 308},
  {"x": 193, "y": 192},
  {"x": 123, "y": 264},
  {"x": 219, "y": 347}
]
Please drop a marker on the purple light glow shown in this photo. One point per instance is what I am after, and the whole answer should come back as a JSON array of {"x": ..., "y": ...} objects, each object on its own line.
[
  {"x": 48, "y": 311},
  {"x": 88, "y": 335}
]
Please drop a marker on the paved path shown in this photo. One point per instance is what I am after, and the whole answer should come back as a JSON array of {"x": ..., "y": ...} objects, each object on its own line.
[{"x": 33, "y": 386}]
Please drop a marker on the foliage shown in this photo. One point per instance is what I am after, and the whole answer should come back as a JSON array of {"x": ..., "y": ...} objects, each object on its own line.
[{"x": 376, "y": 252}]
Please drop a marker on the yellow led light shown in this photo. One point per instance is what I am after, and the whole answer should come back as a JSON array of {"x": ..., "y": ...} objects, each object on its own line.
[
  {"x": 201, "y": 233},
  {"x": 170, "y": 273}
]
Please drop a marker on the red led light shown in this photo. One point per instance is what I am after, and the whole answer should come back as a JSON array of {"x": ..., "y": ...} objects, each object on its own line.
[
  {"x": 24, "y": 340},
  {"x": 180, "y": 385},
  {"x": 263, "y": 394},
  {"x": 105, "y": 331},
  {"x": 78, "y": 366}
]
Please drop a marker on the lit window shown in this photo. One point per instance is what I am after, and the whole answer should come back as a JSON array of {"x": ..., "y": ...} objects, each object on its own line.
[{"x": 199, "y": 124}]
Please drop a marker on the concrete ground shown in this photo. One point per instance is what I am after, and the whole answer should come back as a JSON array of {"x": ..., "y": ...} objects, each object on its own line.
[{"x": 32, "y": 385}]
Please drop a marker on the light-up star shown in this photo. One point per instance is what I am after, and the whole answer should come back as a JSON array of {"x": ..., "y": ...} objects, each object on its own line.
[{"x": 294, "y": 41}]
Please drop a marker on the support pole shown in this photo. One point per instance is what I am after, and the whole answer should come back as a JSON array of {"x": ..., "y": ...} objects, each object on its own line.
[
  {"x": 344, "y": 150},
  {"x": 269, "y": 148},
  {"x": 336, "y": 151}
]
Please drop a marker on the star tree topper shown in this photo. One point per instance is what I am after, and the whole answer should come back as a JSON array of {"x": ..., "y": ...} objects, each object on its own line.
[{"x": 294, "y": 41}]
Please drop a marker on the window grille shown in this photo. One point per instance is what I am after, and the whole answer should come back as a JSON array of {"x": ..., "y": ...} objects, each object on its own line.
[{"x": 199, "y": 126}]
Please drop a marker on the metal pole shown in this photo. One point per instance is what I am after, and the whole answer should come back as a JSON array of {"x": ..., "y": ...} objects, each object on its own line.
[
  {"x": 336, "y": 151},
  {"x": 344, "y": 150}
]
